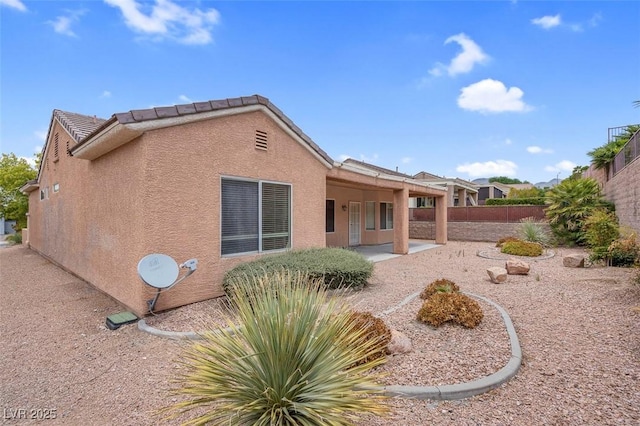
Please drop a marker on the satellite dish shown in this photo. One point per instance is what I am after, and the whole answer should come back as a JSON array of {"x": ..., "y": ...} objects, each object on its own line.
[
  {"x": 158, "y": 270},
  {"x": 161, "y": 272}
]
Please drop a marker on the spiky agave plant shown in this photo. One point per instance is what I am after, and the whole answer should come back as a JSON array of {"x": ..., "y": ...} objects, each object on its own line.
[{"x": 291, "y": 357}]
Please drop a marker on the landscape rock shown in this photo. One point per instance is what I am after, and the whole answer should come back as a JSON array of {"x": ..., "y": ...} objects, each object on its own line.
[
  {"x": 517, "y": 267},
  {"x": 497, "y": 274},
  {"x": 399, "y": 344},
  {"x": 573, "y": 261}
]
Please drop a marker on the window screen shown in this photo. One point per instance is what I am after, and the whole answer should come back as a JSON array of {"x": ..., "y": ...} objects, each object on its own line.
[
  {"x": 330, "y": 216},
  {"x": 370, "y": 216},
  {"x": 386, "y": 216}
]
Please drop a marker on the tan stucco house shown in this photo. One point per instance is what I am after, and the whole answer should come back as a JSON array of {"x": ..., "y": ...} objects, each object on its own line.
[
  {"x": 222, "y": 181},
  {"x": 460, "y": 192}
]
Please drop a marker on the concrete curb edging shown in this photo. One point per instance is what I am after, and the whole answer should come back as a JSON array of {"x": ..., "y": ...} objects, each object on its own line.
[
  {"x": 475, "y": 387},
  {"x": 444, "y": 392}
]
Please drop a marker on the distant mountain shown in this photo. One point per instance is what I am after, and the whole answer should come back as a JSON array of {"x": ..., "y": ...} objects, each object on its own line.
[
  {"x": 550, "y": 184},
  {"x": 481, "y": 181}
]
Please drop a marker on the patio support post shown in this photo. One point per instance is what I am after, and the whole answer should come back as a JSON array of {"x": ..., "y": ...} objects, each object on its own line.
[
  {"x": 462, "y": 197},
  {"x": 401, "y": 221},
  {"x": 441, "y": 220},
  {"x": 451, "y": 192}
]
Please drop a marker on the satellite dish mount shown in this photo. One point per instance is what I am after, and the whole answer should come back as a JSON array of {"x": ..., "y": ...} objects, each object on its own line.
[{"x": 161, "y": 272}]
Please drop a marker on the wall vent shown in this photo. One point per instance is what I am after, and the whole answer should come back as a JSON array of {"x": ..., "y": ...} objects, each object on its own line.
[
  {"x": 55, "y": 146},
  {"x": 261, "y": 140}
]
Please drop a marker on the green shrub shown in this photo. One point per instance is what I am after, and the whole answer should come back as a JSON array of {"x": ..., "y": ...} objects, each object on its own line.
[
  {"x": 532, "y": 230},
  {"x": 293, "y": 356},
  {"x": 601, "y": 229},
  {"x": 336, "y": 267},
  {"x": 533, "y": 201},
  {"x": 522, "y": 248},
  {"x": 373, "y": 329},
  {"x": 624, "y": 251},
  {"x": 15, "y": 238},
  {"x": 442, "y": 285},
  {"x": 455, "y": 307}
]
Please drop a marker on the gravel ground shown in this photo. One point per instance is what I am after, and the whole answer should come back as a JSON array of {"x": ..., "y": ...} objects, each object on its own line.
[{"x": 579, "y": 330}]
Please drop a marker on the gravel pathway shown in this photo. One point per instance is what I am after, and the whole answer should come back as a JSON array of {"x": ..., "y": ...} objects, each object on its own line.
[{"x": 579, "y": 330}]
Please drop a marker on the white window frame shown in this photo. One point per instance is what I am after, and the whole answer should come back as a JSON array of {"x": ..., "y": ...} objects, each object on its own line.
[
  {"x": 56, "y": 187},
  {"x": 259, "y": 182}
]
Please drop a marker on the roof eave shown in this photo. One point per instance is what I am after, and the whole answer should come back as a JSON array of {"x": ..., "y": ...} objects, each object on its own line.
[{"x": 30, "y": 186}]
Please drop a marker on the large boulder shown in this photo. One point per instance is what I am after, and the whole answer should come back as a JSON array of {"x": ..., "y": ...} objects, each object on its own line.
[
  {"x": 399, "y": 344},
  {"x": 517, "y": 267},
  {"x": 573, "y": 261},
  {"x": 497, "y": 274}
]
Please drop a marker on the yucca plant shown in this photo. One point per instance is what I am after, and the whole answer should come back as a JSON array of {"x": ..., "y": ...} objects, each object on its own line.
[
  {"x": 531, "y": 230},
  {"x": 292, "y": 356}
]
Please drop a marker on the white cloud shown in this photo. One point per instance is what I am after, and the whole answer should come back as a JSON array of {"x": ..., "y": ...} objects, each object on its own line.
[
  {"x": 508, "y": 141},
  {"x": 406, "y": 160},
  {"x": 41, "y": 135},
  {"x": 168, "y": 20},
  {"x": 62, "y": 24},
  {"x": 563, "y": 166},
  {"x": 489, "y": 168},
  {"x": 106, "y": 94},
  {"x": 464, "y": 62},
  {"x": 547, "y": 22},
  {"x": 184, "y": 98},
  {"x": 595, "y": 20},
  {"x": 537, "y": 150},
  {"x": 14, "y": 4},
  {"x": 491, "y": 96}
]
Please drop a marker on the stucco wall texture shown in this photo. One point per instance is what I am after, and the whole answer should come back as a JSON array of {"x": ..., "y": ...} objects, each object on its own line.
[
  {"x": 624, "y": 191},
  {"x": 160, "y": 193}
]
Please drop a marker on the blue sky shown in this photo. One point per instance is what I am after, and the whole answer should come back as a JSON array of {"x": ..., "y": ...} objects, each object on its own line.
[{"x": 466, "y": 89}]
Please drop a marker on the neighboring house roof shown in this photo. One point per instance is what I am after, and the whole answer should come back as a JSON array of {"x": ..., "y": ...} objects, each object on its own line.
[
  {"x": 376, "y": 168},
  {"x": 125, "y": 126},
  {"x": 501, "y": 186}
]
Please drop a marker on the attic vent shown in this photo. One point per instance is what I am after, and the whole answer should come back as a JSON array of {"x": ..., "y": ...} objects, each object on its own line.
[
  {"x": 68, "y": 149},
  {"x": 55, "y": 146},
  {"x": 261, "y": 140}
]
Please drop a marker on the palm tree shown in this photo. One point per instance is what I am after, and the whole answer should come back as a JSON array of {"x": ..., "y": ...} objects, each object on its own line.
[{"x": 570, "y": 203}]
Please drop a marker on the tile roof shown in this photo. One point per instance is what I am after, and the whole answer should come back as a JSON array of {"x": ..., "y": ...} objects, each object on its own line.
[
  {"x": 79, "y": 126},
  {"x": 376, "y": 168},
  {"x": 157, "y": 113}
]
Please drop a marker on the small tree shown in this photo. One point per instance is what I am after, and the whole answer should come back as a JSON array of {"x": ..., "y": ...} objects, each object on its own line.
[{"x": 14, "y": 172}]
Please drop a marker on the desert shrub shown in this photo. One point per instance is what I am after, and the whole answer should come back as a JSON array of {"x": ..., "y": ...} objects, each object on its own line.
[
  {"x": 455, "y": 307},
  {"x": 335, "y": 267},
  {"x": 442, "y": 285},
  {"x": 601, "y": 229},
  {"x": 503, "y": 240},
  {"x": 532, "y": 230},
  {"x": 522, "y": 248},
  {"x": 291, "y": 356},
  {"x": 373, "y": 329},
  {"x": 15, "y": 238},
  {"x": 624, "y": 251}
]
